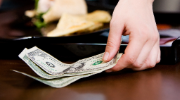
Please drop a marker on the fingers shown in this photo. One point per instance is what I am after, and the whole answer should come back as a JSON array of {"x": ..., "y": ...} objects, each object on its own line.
[
  {"x": 114, "y": 40},
  {"x": 159, "y": 56},
  {"x": 151, "y": 46},
  {"x": 151, "y": 60},
  {"x": 140, "y": 56},
  {"x": 132, "y": 52}
]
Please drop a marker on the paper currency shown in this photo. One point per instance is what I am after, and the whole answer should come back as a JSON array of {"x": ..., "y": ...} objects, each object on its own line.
[
  {"x": 57, "y": 82},
  {"x": 57, "y": 74}
]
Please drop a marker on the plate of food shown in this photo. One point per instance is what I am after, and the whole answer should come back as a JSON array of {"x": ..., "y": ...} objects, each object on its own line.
[{"x": 67, "y": 18}]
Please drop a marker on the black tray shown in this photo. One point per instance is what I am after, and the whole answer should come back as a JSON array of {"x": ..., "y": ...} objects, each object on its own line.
[{"x": 74, "y": 48}]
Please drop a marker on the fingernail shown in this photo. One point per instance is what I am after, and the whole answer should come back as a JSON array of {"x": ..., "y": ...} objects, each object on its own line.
[
  {"x": 106, "y": 55},
  {"x": 108, "y": 71}
]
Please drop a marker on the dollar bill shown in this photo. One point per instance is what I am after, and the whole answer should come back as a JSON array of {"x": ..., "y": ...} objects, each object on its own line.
[
  {"x": 58, "y": 82},
  {"x": 55, "y": 67},
  {"x": 45, "y": 75},
  {"x": 57, "y": 74},
  {"x": 45, "y": 61},
  {"x": 34, "y": 67}
]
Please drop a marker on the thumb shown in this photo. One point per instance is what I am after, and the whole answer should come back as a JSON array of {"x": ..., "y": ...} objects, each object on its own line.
[{"x": 114, "y": 40}]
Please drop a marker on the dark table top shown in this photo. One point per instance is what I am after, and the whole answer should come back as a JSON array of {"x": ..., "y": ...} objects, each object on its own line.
[{"x": 159, "y": 83}]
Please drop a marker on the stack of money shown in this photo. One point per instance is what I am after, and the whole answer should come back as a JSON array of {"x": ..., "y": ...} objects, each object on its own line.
[{"x": 57, "y": 74}]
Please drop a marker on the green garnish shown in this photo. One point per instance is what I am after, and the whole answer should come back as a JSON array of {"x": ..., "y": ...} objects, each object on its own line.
[
  {"x": 39, "y": 24},
  {"x": 39, "y": 21},
  {"x": 36, "y": 4}
]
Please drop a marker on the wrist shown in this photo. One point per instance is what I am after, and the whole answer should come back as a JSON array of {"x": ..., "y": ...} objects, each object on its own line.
[
  {"x": 140, "y": 1},
  {"x": 136, "y": 3}
]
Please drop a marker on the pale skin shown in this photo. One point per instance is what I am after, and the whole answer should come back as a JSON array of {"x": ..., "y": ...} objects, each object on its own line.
[{"x": 134, "y": 18}]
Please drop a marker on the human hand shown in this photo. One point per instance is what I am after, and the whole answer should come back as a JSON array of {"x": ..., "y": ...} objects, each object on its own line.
[{"x": 134, "y": 18}]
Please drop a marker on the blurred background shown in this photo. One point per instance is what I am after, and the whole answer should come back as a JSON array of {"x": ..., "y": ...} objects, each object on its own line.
[
  {"x": 159, "y": 5},
  {"x": 167, "y": 14}
]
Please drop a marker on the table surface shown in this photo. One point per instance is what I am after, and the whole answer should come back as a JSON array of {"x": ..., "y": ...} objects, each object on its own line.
[{"x": 159, "y": 83}]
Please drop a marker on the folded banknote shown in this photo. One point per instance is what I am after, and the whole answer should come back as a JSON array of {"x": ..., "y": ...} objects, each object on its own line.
[{"x": 57, "y": 74}]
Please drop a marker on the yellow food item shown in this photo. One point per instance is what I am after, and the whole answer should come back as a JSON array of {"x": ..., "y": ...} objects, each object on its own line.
[
  {"x": 80, "y": 24},
  {"x": 75, "y": 7},
  {"x": 99, "y": 16},
  {"x": 94, "y": 27},
  {"x": 30, "y": 13},
  {"x": 70, "y": 24}
]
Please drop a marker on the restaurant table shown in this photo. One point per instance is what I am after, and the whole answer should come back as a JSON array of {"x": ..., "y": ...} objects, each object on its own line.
[{"x": 159, "y": 83}]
